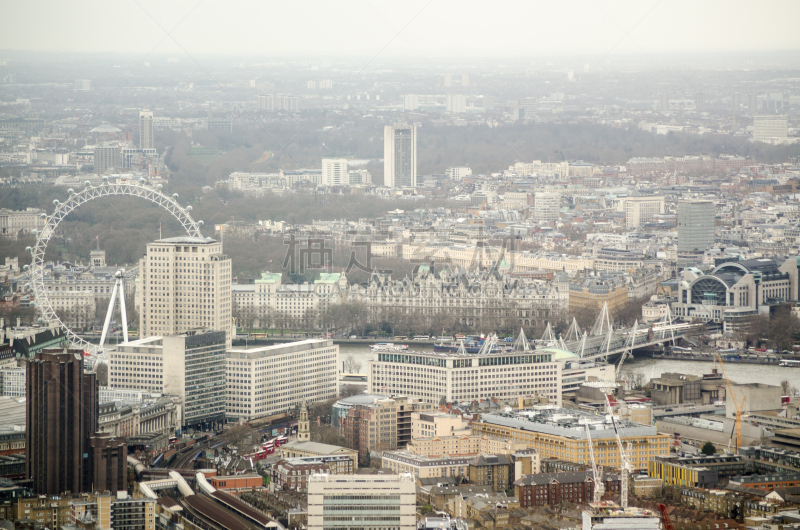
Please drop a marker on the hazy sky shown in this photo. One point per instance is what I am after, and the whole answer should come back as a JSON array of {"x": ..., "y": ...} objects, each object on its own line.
[{"x": 427, "y": 28}]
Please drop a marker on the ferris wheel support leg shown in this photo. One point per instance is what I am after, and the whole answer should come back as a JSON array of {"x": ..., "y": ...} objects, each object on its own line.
[
  {"x": 122, "y": 309},
  {"x": 108, "y": 315}
]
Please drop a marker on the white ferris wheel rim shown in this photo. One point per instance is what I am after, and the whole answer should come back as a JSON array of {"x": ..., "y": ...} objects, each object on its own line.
[{"x": 63, "y": 209}]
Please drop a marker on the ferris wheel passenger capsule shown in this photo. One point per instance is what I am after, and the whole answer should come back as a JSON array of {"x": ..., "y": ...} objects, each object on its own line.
[
  {"x": 71, "y": 191},
  {"x": 87, "y": 184},
  {"x": 26, "y": 267},
  {"x": 159, "y": 186},
  {"x": 34, "y": 232},
  {"x": 105, "y": 180},
  {"x": 200, "y": 223},
  {"x": 189, "y": 208},
  {"x": 175, "y": 196},
  {"x": 55, "y": 202},
  {"x": 43, "y": 215}
]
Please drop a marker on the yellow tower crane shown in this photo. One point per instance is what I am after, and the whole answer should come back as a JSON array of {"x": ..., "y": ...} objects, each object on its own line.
[{"x": 738, "y": 406}]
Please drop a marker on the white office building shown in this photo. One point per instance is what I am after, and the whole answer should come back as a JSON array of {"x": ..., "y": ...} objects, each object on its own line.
[
  {"x": 373, "y": 502},
  {"x": 641, "y": 210},
  {"x": 334, "y": 172},
  {"x": 458, "y": 173},
  {"x": 267, "y": 380},
  {"x": 410, "y": 102},
  {"x": 546, "y": 206},
  {"x": 770, "y": 128},
  {"x": 433, "y": 376},
  {"x": 190, "y": 366},
  {"x": 185, "y": 284},
  {"x": 400, "y": 156}
]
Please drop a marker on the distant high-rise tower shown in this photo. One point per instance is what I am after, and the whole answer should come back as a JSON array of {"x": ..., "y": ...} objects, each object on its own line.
[
  {"x": 265, "y": 102},
  {"x": 448, "y": 80},
  {"x": 528, "y": 108},
  {"x": 752, "y": 101},
  {"x": 303, "y": 426},
  {"x": 464, "y": 79},
  {"x": 400, "y": 156},
  {"x": 61, "y": 418},
  {"x": 146, "y": 130},
  {"x": 410, "y": 102},
  {"x": 334, "y": 171},
  {"x": 456, "y": 103},
  {"x": 107, "y": 157},
  {"x": 695, "y": 226},
  {"x": 664, "y": 103}
]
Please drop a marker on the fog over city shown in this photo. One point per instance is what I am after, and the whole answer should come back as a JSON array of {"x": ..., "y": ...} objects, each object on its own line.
[{"x": 422, "y": 265}]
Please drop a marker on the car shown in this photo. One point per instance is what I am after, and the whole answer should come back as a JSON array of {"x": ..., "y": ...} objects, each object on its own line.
[{"x": 353, "y": 337}]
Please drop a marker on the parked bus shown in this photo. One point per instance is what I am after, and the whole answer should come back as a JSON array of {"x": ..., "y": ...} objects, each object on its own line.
[
  {"x": 280, "y": 440},
  {"x": 261, "y": 454}
]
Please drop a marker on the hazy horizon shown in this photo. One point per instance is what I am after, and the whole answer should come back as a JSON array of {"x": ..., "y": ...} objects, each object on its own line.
[{"x": 421, "y": 30}]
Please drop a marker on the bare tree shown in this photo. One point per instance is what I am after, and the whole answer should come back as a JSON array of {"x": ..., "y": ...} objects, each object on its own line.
[
  {"x": 351, "y": 365},
  {"x": 243, "y": 438}
]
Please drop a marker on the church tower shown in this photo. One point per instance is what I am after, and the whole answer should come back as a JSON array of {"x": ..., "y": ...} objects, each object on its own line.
[{"x": 303, "y": 427}]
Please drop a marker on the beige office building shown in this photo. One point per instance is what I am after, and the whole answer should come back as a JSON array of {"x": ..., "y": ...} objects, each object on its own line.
[
  {"x": 462, "y": 445},
  {"x": 641, "y": 210},
  {"x": 266, "y": 380},
  {"x": 185, "y": 284},
  {"x": 561, "y": 433},
  {"x": 374, "y": 502},
  {"x": 426, "y": 424}
]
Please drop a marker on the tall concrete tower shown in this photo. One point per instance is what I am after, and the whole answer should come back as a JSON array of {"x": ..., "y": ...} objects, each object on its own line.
[
  {"x": 400, "y": 156},
  {"x": 146, "y": 130}
]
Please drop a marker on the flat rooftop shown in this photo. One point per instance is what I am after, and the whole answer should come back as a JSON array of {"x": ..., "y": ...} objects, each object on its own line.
[
  {"x": 260, "y": 352},
  {"x": 567, "y": 423}
]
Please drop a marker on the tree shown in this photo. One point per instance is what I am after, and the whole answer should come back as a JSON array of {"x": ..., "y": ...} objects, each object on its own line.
[
  {"x": 350, "y": 365},
  {"x": 708, "y": 449},
  {"x": 350, "y": 390},
  {"x": 243, "y": 438}
]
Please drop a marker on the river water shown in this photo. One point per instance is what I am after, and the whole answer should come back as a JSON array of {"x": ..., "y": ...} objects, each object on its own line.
[{"x": 649, "y": 367}]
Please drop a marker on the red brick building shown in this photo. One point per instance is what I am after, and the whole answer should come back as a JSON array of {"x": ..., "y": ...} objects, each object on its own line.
[{"x": 547, "y": 489}]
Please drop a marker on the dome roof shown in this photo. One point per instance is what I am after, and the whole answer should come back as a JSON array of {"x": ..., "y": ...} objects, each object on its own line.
[{"x": 105, "y": 129}]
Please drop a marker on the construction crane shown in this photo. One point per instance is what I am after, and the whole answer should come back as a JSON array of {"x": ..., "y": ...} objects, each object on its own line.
[
  {"x": 738, "y": 406},
  {"x": 625, "y": 467},
  {"x": 665, "y": 517},
  {"x": 597, "y": 471}
]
